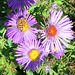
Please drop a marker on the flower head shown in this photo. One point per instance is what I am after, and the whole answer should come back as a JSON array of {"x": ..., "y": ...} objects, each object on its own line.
[
  {"x": 54, "y": 6},
  {"x": 20, "y": 4},
  {"x": 31, "y": 54},
  {"x": 47, "y": 67},
  {"x": 20, "y": 27},
  {"x": 59, "y": 53},
  {"x": 57, "y": 32}
]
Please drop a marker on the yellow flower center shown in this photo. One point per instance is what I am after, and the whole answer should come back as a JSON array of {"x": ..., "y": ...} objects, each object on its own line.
[
  {"x": 22, "y": 24},
  {"x": 34, "y": 54},
  {"x": 55, "y": 49},
  {"x": 52, "y": 31}
]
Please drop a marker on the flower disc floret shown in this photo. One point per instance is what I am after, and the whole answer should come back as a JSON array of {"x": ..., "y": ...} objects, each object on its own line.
[
  {"x": 34, "y": 54},
  {"x": 22, "y": 24},
  {"x": 52, "y": 31},
  {"x": 55, "y": 49}
]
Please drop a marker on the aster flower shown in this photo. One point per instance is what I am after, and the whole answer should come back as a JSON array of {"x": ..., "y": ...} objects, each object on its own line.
[
  {"x": 57, "y": 32},
  {"x": 20, "y": 27},
  {"x": 54, "y": 6},
  {"x": 47, "y": 67},
  {"x": 59, "y": 53},
  {"x": 20, "y": 4},
  {"x": 31, "y": 54}
]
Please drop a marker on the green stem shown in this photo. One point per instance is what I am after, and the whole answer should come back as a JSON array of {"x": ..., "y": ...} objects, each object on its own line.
[
  {"x": 73, "y": 22},
  {"x": 4, "y": 33},
  {"x": 68, "y": 4}
]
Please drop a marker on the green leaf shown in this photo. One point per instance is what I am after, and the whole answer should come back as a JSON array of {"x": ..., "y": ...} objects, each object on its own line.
[
  {"x": 38, "y": 69},
  {"x": 45, "y": 13},
  {"x": 1, "y": 67},
  {"x": 52, "y": 72},
  {"x": 73, "y": 56},
  {"x": 74, "y": 43},
  {"x": 29, "y": 72},
  {"x": 0, "y": 53},
  {"x": 58, "y": 2},
  {"x": 10, "y": 72},
  {"x": 4, "y": 60},
  {"x": 2, "y": 30},
  {"x": 10, "y": 43},
  {"x": 71, "y": 46},
  {"x": 67, "y": 51},
  {"x": 43, "y": 26},
  {"x": 4, "y": 73}
]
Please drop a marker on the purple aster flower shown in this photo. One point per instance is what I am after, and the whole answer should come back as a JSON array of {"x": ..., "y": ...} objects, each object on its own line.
[
  {"x": 20, "y": 27},
  {"x": 47, "y": 67},
  {"x": 54, "y": 6},
  {"x": 31, "y": 54},
  {"x": 57, "y": 32},
  {"x": 22, "y": 4},
  {"x": 59, "y": 53}
]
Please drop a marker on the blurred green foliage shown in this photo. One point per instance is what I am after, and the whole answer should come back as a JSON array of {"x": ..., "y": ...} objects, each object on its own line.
[{"x": 63, "y": 66}]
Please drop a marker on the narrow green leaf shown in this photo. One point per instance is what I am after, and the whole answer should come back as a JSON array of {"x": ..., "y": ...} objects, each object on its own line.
[
  {"x": 52, "y": 72},
  {"x": 73, "y": 56},
  {"x": 29, "y": 72},
  {"x": 10, "y": 43},
  {"x": 2, "y": 30}
]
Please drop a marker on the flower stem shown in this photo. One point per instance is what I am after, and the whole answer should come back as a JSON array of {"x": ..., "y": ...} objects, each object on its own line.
[{"x": 68, "y": 4}]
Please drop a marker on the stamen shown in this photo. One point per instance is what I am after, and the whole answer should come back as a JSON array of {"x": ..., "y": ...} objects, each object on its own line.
[
  {"x": 51, "y": 31},
  {"x": 55, "y": 50},
  {"x": 34, "y": 54},
  {"x": 22, "y": 24}
]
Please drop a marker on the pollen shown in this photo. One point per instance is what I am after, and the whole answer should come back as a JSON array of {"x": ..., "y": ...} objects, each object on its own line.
[
  {"x": 22, "y": 24},
  {"x": 55, "y": 50},
  {"x": 34, "y": 54},
  {"x": 52, "y": 31}
]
